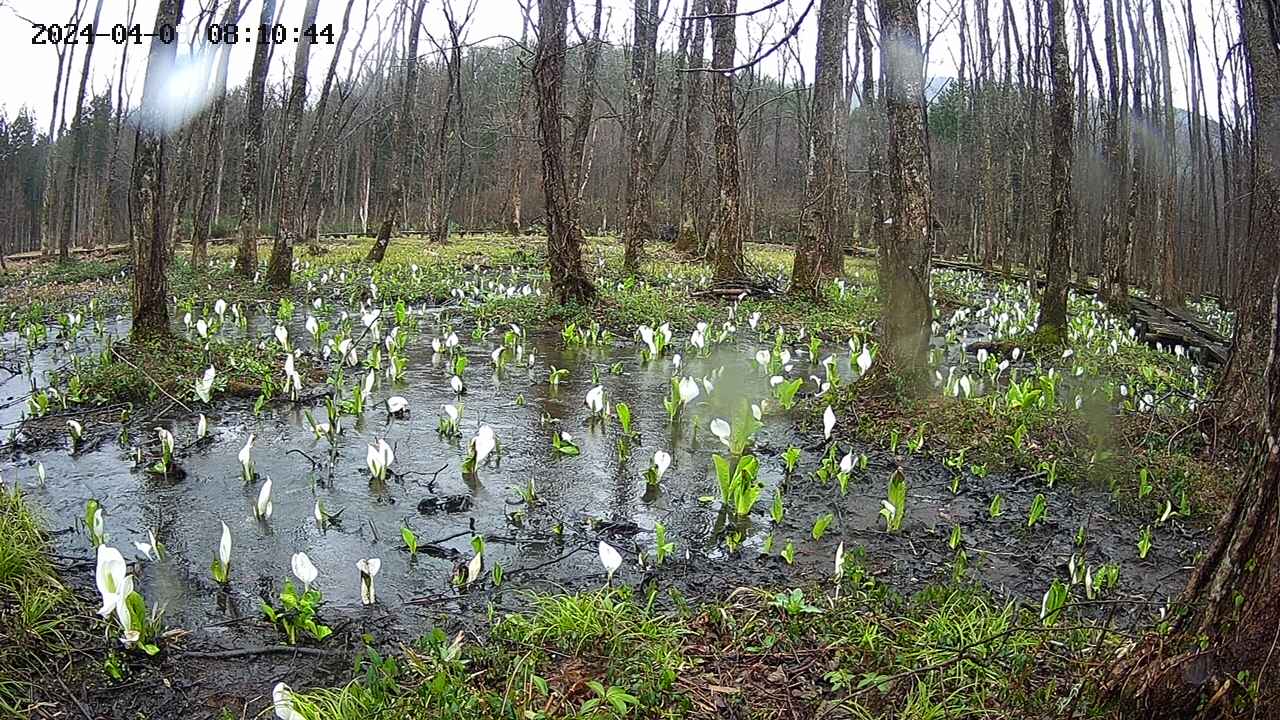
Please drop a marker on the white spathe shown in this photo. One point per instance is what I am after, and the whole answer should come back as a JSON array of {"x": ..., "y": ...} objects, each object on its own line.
[
  {"x": 303, "y": 569},
  {"x": 483, "y": 443},
  {"x": 112, "y": 577},
  {"x": 368, "y": 570},
  {"x": 661, "y": 461},
  {"x": 262, "y": 508},
  {"x": 595, "y": 399},
  {"x": 722, "y": 430},
  {"x": 610, "y": 558},
  {"x": 828, "y": 422}
]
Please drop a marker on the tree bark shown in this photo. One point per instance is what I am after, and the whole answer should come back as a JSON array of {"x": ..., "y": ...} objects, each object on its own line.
[
  {"x": 1053, "y": 306},
  {"x": 1232, "y": 600},
  {"x": 638, "y": 225},
  {"x": 78, "y": 131},
  {"x": 150, "y": 220},
  {"x": 908, "y": 240},
  {"x": 726, "y": 232},
  {"x": 203, "y": 215},
  {"x": 289, "y": 225},
  {"x": 691, "y": 226},
  {"x": 403, "y": 132},
  {"x": 1112, "y": 288},
  {"x": 821, "y": 221},
  {"x": 247, "y": 256},
  {"x": 1239, "y": 390},
  {"x": 569, "y": 282}
]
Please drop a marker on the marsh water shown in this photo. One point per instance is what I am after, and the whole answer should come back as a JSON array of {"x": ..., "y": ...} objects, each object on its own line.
[{"x": 549, "y": 543}]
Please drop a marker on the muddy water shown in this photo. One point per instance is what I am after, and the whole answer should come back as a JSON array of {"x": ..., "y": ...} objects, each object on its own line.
[{"x": 591, "y": 497}]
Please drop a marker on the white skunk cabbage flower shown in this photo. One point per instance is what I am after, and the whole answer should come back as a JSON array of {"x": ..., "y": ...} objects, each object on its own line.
[
  {"x": 595, "y": 400},
  {"x": 262, "y": 508},
  {"x": 379, "y": 457},
  {"x": 483, "y": 443},
  {"x": 661, "y": 461},
  {"x": 303, "y": 569},
  {"x": 828, "y": 422},
  {"x": 282, "y": 703},
  {"x": 864, "y": 360},
  {"x": 688, "y": 390},
  {"x": 397, "y": 404},
  {"x": 721, "y": 430},
  {"x": 610, "y": 558},
  {"x": 368, "y": 569},
  {"x": 113, "y": 580}
]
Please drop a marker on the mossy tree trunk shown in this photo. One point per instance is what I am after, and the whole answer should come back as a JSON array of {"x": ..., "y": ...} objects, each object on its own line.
[
  {"x": 1238, "y": 391},
  {"x": 727, "y": 229},
  {"x": 564, "y": 235},
  {"x": 1053, "y": 306},
  {"x": 149, "y": 211},
  {"x": 637, "y": 228},
  {"x": 691, "y": 232},
  {"x": 907, "y": 240},
  {"x": 292, "y": 159},
  {"x": 821, "y": 221}
]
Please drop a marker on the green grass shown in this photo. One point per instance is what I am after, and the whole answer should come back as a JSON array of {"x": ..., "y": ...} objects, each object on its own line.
[
  {"x": 950, "y": 652},
  {"x": 34, "y": 616}
]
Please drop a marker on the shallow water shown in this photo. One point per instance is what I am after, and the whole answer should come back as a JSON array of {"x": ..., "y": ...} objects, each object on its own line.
[{"x": 593, "y": 496}]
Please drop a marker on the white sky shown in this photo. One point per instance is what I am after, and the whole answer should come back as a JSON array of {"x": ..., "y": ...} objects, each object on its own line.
[{"x": 31, "y": 68}]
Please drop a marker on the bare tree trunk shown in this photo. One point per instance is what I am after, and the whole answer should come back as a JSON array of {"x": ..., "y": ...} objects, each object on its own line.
[
  {"x": 691, "y": 230},
  {"x": 515, "y": 185},
  {"x": 908, "y": 241},
  {"x": 77, "y": 150},
  {"x": 151, "y": 223},
  {"x": 821, "y": 213},
  {"x": 638, "y": 225},
  {"x": 1111, "y": 287},
  {"x": 569, "y": 282},
  {"x": 579, "y": 165},
  {"x": 1239, "y": 389},
  {"x": 206, "y": 200},
  {"x": 289, "y": 215},
  {"x": 1166, "y": 218},
  {"x": 403, "y": 131},
  {"x": 1053, "y": 306},
  {"x": 726, "y": 235},
  {"x": 321, "y": 142},
  {"x": 247, "y": 256},
  {"x": 442, "y": 191}
]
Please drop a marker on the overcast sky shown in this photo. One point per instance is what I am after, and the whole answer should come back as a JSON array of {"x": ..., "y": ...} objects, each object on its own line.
[{"x": 31, "y": 68}]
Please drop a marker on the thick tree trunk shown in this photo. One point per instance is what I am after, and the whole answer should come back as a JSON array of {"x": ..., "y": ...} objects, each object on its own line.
[
  {"x": 569, "y": 282},
  {"x": 691, "y": 231},
  {"x": 320, "y": 143},
  {"x": 1166, "y": 211},
  {"x": 638, "y": 225},
  {"x": 1232, "y": 621},
  {"x": 403, "y": 132},
  {"x": 151, "y": 223},
  {"x": 289, "y": 216},
  {"x": 1111, "y": 286},
  {"x": 820, "y": 219},
  {"x": 247, "y": 256},
  {"x": 726, "y": 232},
  {"x": 1053, "y": 306},
  {"x": 908, "y": 240},
  {"x": 1239, "y": 389}
]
